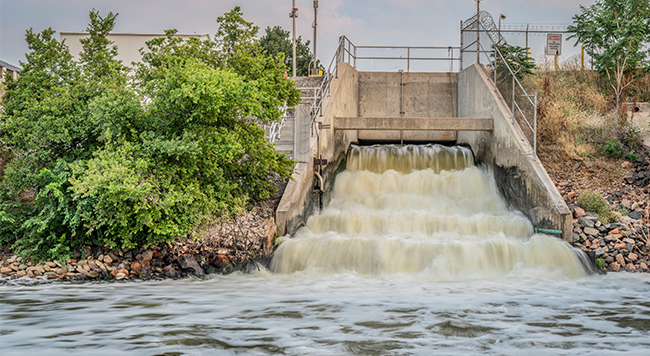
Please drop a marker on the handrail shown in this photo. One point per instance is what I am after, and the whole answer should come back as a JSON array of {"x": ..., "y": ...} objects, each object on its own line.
[{"x": 533, "y": 128}]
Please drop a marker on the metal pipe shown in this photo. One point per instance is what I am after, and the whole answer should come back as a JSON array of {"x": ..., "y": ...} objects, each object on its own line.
[
  {"x": 478, "y": 31},
  {"x": 513, "y": 96},
  {"x": 315, "y": 71},
  {"x": 535, "y": 126},
  {"x": 294, "y": 14},
  {"x": 461, "y": 45}
]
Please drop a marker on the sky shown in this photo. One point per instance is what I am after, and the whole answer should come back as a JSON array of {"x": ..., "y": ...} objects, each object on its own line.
[{"x": 364, "y": 22}]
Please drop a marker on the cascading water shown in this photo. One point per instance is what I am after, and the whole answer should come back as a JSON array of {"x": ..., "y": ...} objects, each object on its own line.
[{"x": 426, "y": 211}]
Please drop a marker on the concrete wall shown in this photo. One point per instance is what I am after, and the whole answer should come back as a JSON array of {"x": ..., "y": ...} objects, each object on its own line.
[
  {"x": 421, "y": 95},
  {"x": 520, "y": 176},
  {"x": 299, "y": 199}
]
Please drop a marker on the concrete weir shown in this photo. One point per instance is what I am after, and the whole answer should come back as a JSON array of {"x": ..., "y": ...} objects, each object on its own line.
[{"x": 464, "y": 108}]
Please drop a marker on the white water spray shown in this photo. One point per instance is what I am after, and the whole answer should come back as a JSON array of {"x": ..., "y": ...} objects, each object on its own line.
[{"x": 425, "y": 211}]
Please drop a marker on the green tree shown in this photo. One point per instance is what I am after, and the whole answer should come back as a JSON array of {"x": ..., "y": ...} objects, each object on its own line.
[
  {"x": 125, "y": 161},
  {"x": 614, "y": 33},
  {"x": 516, "y": 60},
  {"x": 277, "y": 41}
]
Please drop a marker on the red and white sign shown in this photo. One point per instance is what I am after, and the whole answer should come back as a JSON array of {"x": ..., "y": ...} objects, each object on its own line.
[{"x": 553, "y": 44}]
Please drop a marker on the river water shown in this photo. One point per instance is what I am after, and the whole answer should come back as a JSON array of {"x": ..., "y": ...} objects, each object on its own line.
[{"x": 416, "y": 254}]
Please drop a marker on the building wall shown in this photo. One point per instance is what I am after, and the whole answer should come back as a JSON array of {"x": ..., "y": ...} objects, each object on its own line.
[{"x": 128, "y": 44}]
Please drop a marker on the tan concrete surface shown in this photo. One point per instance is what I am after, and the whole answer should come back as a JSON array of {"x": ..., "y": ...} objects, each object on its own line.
[
  {"x": 521, "y": 177},
  {"x": 414, "y": 123}
]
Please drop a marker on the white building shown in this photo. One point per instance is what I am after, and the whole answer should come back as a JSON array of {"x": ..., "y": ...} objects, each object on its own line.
[
  {"x": 128, "y": 44},
  {"x": 7, "y": 70}
]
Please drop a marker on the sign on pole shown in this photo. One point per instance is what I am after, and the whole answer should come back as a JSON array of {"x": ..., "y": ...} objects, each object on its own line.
[{"x": 553, "y": 44}]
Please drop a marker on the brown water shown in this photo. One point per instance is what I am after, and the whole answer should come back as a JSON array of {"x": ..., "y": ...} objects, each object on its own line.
[{"x": 420, "y": 260}]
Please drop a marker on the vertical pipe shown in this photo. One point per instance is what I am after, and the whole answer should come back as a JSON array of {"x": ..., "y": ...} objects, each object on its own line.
[
  {"x": 556, "y": 62},
  {"x": 527, "y": 48},
  {"x": 535, "y": 127},
  {"x": 460, "y": 56},
  {"x": 408, "y": 59},
  {"x": 315, "y": 71},
  {"x": 478, "y": 31},
  {"x": 513, "y": 97},
  {"x": 295, "y": 134},
  {"x": 294, "y": 14},
  {"x": 355, "y": 57}
]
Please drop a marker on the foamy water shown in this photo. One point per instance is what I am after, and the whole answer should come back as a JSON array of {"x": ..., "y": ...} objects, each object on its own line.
[{"x": 424, "y": 210}]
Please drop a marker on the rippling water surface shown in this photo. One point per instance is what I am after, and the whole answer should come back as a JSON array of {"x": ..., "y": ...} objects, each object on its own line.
[
  {"x": 339, "y": 314},
  {"x": 415, "y": 255}
]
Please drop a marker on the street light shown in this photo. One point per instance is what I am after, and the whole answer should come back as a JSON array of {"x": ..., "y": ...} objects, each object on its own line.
[
  {"x": 293, "y": 15},
  {"x": 501, "y": 17}
]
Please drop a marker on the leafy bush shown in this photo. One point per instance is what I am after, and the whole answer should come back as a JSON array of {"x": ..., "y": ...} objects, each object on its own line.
[
  {"x": 600, "y": 263},
  {"x": 125, "y": 161},
  {"x": 593, "y": 201},
  {"x": 615, "y": 148}
]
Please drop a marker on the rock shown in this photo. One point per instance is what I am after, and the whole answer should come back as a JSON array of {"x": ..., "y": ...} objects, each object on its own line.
[
  {"x": 636, "y": 215},
  {"x": 222, "y": 261},
  {"x": 189, "y": 262},
  {"x": 591, "y": 231},
  {"x": 632, "y": 256},
  {"x": 108, "y": 259},
  {"x": 576, "y": 166},
  {"x": 578, "y": 212},
  {"x": 62, "y": 270},
  {"x": 97, "y": 251},
  {"x": 136, "y": 267},
  {"x": 615, "y": 266},
  {"x": 6, "y": 270},
  {"x": 93, "y": 274},
  {"x": 612, "y": 226},
  {"x": 21, "y": 274},
  {"x": 626, "y": 204},
  {"x": 51, "y": 275},
  {"x": 586, "y": 222},
  {"x": 635, "y": 206},
  {"x": 124, "y": 265},
  {"x": 147, "y": 255},
  {"x": 620, "y": 259},
  {"x": 120, "y": 276},
  {"x": 630, "y": 267},
  {"x": 171, "y": 271},
  {"x": 611, "y": 238},
  {"x": 619, "y": 246},
  {"x": 39, "y": 269},
  {"x": 629, "y": 179},
  {"x": 128, "y": 255},
  {"x": 613, "y": 232},
  {"x": 22, "y": 267},
  {"x": 627, "y": 165},
  {"x": 51, "y": 264},
  {"x": 46, "y": 268},
  {"x": 599, "y": 252},
  {"x": 628, "y": 240},
  {"x": 589, "y": 164},
  {"x": 644, "y": 266}
]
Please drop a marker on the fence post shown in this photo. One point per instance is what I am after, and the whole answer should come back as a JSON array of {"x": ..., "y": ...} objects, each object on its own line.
[
  {"x": 513, "y": 97},
  {"x": 535, "y": 127},
  {"x": 461, "y": 46}
]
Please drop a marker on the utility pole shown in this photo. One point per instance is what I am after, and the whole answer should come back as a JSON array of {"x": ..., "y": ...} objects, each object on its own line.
[
  {"x": 293, "y": 15},
  {"x": 314, "y": 25},
  {"x": 478, "y": 31}
]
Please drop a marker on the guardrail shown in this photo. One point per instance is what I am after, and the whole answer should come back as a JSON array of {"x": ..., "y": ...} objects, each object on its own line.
[
  {"x": 522, "y": 112},
  {"x": 348, "y": 52}
]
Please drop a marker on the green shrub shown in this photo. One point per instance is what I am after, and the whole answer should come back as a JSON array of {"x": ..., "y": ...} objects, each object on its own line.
[
  {"x": 600, "y": 263},
  {"x": 614, "y": 148},
  {"x": 593, "y": 201}
]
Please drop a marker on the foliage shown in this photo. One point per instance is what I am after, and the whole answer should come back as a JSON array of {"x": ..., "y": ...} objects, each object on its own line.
[
  {"x": 124, "y": 161},
  {"x": 614, "y": 33},
  {"x": 614, "y": 148},
  {"x": 593, "y": 201},
  {"x": 277, "y": 41},
  {"x": 600, "y": 263},
  {"x": 515, "y": 59}
]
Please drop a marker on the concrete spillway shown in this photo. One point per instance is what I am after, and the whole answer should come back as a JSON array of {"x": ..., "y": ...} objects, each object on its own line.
[
  {"x": 421, "y": 210},
  {"x": 462, "y": 108}
]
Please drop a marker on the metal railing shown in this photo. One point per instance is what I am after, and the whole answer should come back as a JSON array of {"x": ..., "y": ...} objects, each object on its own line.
[
  {"x": 523, "y": 106},
  {"x": 348, "y": 52}
]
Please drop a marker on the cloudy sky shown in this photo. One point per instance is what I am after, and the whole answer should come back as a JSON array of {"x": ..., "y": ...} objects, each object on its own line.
[{"x": 365, "y": 22}]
